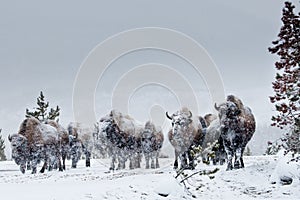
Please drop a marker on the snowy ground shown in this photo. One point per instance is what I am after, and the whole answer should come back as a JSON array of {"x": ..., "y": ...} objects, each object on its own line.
[{"x": 97, "y": 182}]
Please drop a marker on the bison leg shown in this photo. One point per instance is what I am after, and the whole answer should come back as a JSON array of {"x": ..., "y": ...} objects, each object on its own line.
[
  {"x": 147, "y": 160},
  {"x": 121, "y": 164},
  {"x": 131, "y": 162},
  {"x": 238, "y": 156},
  {"x": 64, "y": 156},
  {"x": 44, "y": 167},
  {"x": 60, "y": 168},
  {"x": 58, "y": 156},
  {"x": 23, "y": 168},
  {"x": 113, "y": 160},
  {"x": 87, "y": 156},
  {"x": 176, "y": 160},
  {"x": 34, "y": 166},
  {"x": 28, "y": 165},
  {"x": 191, "y": 159},
  {"x": 121, "y": 159},
  {"x": 88, "y": 159},
  {"x": 241, "y": 159},
  {"x": 183, "y": 160},
  {"x": 156, "y": 157},
  {"x": 138, "y": 160},
  {"x": 152, "y": 161},
  {"x": 229, "y": 158}
]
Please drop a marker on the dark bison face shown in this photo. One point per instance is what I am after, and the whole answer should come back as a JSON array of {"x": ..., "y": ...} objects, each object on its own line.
[
  {"x": 19, "y": 148},
  {"x": 227, "y": 110}
]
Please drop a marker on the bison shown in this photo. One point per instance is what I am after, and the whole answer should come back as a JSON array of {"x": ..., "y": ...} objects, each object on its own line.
[
  {"x": 122, "y": 139},
  {"x": 186, "y": 132},
  {"x": 237, "y": 128},
  {"x": 81, "y": 141},
  {"x": 213, "y": 142},
  {"x": 152, "y": 141},
  {"x": 63, "y": 140},
  {"x": 33, "y": 143}
]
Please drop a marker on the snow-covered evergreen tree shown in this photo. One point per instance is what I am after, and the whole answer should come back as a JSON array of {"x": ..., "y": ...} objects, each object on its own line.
[
  {"x": 287, "y": 92},
  {"x": 287, "y": 81},
  {"x": 41, "y": 112},
  {"x": 2, "y": 148}
]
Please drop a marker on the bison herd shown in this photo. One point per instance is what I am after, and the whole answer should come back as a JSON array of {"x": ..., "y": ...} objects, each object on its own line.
[{"x": 123, "y": 139}]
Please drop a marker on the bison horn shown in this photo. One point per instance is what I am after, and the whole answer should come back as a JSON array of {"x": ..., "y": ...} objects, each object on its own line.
[
  {"x": 217, "y": 107},
  {"x": 190, "y": 114},
  {"x": 168, "y": 116},
  {"x": 9, "y": 138}
]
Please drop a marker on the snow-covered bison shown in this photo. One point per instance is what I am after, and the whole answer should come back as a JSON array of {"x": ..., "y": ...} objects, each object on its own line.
[
  {"x": 152, "y": 140},
  {"x": 36, "y": 142},
  {"x": 237, "y": 128},
  {"x": 63, "y": 140},
  {"x": 123, "y": 139},
  {"x": 186, "y": 132},
  {"x": 213, "y": 142},
  {"x": 81, "y": 141}
]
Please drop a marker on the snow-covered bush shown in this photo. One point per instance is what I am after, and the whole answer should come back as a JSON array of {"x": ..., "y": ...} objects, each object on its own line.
[{"x": 287, "y": 170}]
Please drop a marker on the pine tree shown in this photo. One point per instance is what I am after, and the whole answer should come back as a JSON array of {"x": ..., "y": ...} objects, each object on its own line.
[
  {"x": 287, "y": 80},
  {"x": 2, "y": 148},
  {"x": 41, "y": 112}
]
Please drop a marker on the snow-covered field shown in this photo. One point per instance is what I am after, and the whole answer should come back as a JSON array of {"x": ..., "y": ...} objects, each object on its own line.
[{"x": 97, "y": 182}]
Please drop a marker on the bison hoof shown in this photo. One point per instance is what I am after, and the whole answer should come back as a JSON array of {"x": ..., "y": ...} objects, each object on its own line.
[
  {"x": 229, "y": 168},
  {"x": 23, "y": 171},
  {"x": 236, "y": 166}
]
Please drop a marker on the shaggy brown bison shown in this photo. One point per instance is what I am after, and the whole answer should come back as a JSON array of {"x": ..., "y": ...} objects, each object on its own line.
[
  {"x": 35, "y": 142},
  {"x": 186, "y": 132},
  {"x": 152, "y": 141},
  {"x": 237, "y": 128}
]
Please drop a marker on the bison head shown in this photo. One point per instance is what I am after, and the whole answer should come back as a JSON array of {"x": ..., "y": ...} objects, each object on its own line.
[
  {"x": 19, "y": 148},
  {"x": 227, "y": 110},
  {"x": 180, "y": 120}
]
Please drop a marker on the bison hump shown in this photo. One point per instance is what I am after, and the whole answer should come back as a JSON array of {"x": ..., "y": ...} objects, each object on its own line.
[{"x": 48, "y": 132}]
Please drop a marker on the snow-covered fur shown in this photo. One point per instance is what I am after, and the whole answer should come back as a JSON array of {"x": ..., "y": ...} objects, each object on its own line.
[
  {"x": 101, "y": 148},
  {"x": 34, "y": 142},
  {"x": 81, "y": 141},
  {"x": 213, "y": 142},
  {"x": 237, "y": 128},
  {"x": 152, "y": 141},
  {"x": 123, "y": 139},
  {"x": 186, "y": 132}
]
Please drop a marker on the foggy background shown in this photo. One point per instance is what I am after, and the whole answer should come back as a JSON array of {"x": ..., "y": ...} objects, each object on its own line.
[{"x": 43, "y": 45}]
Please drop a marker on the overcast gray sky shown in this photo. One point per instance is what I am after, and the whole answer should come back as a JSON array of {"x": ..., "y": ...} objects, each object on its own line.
[{"x": 44, "y": 43}]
